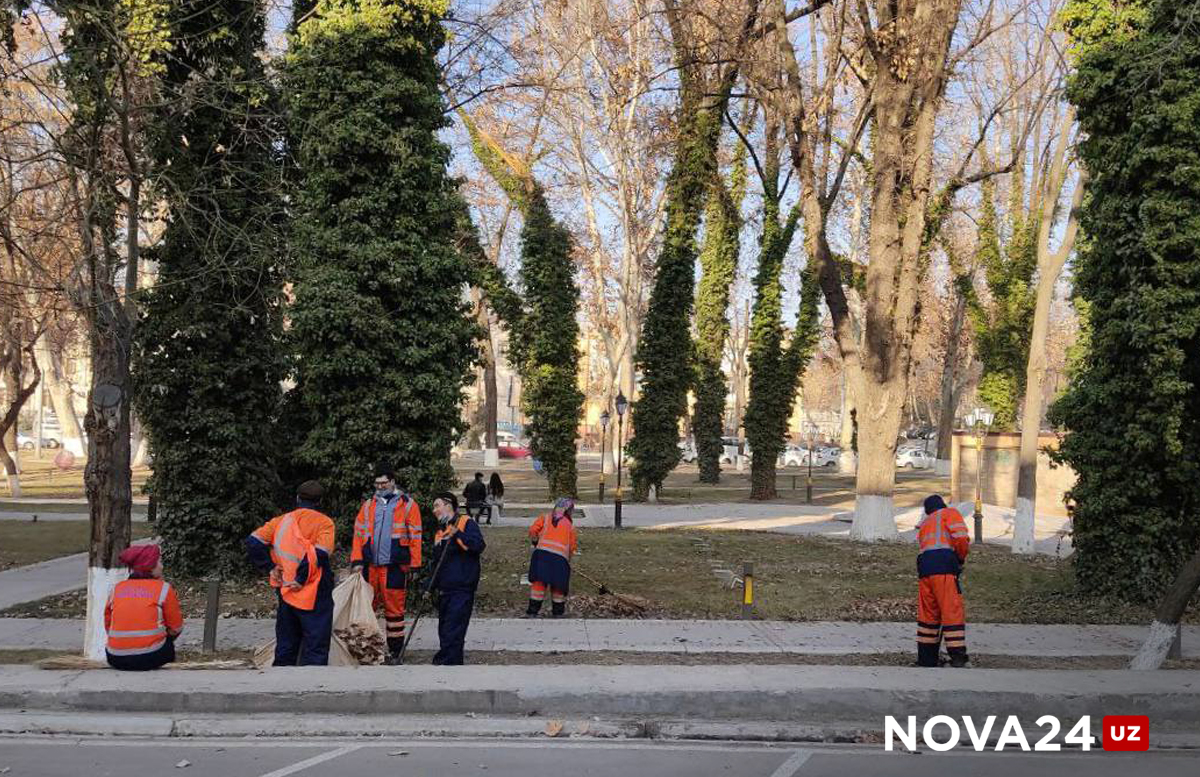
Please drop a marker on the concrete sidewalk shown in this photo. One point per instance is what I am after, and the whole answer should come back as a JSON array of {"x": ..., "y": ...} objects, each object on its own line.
[
  {"x": 797, "y": 694},
  {"x": 47, "y": 578},
  {"x": 665, "y": 636}
]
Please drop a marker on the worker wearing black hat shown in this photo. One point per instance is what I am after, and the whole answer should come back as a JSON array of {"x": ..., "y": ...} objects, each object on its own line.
[{"x": 295, "y": 548}]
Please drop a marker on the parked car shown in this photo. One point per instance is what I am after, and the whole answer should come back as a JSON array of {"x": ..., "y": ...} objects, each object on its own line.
[
  {"x": 731, "y": 446},
  {"x": 514, "y": 451},
  {"x": 688, "y": 450},
  {"x": 914, "y": 458},
  {"x": 797, "y": 456},
  {"x": 27, "y": 443}
]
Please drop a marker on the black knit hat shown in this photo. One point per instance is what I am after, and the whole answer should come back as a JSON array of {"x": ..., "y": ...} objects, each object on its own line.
[
  {"x": 311, "y": 491},
  {"x": 384, "y": 471},
  {"x": 933, "y": 503}
]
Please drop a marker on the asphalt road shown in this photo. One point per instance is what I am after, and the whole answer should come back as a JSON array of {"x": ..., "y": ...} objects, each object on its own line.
[{"x": 68, "y": 757}]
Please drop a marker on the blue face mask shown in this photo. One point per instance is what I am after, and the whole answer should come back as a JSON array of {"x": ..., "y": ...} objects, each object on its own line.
[{"x": 384, "y": 493}]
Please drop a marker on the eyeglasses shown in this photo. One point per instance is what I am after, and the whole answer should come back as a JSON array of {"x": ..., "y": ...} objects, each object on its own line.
[{"x": 382, "y": 483}]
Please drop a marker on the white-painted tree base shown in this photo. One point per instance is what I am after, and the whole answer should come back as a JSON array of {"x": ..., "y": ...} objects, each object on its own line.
[
  {"x": 1023, "y": 523},
  {"x": 100, "y": 585},
  {"x": 491, "y": 457},
  {"x": 74, "y": 445},
  {"x": 873, "y": 519},
  {"x": 741, "y": 463},
  {"x": 941, "y": 466},
  {"x": 1156, "y": 647},
  {"x": 652, "y": 497},
  {"x": 847, "y": 463},
  {"x": 14, "y": 485}
]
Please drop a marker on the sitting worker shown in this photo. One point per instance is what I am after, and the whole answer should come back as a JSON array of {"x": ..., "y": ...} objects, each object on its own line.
[
  {"x": 554, "y": 540},
  {"x": 943, "y": 545},
  {"x": 295, "y": 548},
  {"x": 387, "y": 547},
  {"x": 456, "y": 550},
  {"x": 476, "y": 494},
  {"x": 142, "y": 617}
]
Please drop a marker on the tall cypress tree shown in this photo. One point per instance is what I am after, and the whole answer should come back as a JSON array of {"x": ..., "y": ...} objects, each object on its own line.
[
  {"x": 718, "y": 263},
  {"x": 1133, "y": 408},
  {"x": 380, "y": 329},
  {"x": 208, "y": 361},
  {"x": 544, "y": 333}
]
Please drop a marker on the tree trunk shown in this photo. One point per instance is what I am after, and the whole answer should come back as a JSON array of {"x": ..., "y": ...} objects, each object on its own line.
[
  {"x": 487, "y": 355},
  {"x": 1050, "y": 264},
  {"x": 949, "y": 396},
  {"x": 879, "y": 411},
  {"x": 61, "y": 399},
  {"x": 107, "y": 478},
  {"x": 1166, "y": 618}
]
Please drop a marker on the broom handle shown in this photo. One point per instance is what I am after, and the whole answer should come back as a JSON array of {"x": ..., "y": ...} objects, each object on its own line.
[{"x": 421, "y": 602}]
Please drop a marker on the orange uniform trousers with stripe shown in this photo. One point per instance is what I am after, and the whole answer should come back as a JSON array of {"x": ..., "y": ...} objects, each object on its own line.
[
  {"x": 940, "y": 614},
  {"x": 391, "y": 601}
]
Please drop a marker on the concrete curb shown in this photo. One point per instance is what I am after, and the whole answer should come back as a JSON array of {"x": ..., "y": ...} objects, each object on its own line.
[{"x": 809, "y": 695}]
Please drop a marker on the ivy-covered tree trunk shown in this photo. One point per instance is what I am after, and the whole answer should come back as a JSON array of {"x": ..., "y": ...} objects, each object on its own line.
[
  {"x": 775, "y": 369},
  {"x": 1132, "y": 412},
  {"x": 381, "y": 333},
  {"x": 718, "y": 263},
  {"x": 545, "y": 336},
  {"x": 209, "y": 359},
  {"x": 665, "y": 348}
]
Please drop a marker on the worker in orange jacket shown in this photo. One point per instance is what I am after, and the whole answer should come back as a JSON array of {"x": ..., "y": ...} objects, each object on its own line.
[
  {"x": 295, "y": 548},
  {"x": 387, "y": 548},
  {"x": 142, "y": 617},
  {"x": 944, "y": 543},
  {"x": 555, "y": 541}
]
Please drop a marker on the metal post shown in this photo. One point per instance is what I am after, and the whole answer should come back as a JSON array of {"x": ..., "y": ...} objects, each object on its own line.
[
  {"x": 747, "y": 590},
  {"x": 978, "y": 486},
  {"x": 808, "y": 486},
  {"x": 620, "y": 452},
  {"x": 603, "y": 440},
  {"x": 210, "y": 615}
]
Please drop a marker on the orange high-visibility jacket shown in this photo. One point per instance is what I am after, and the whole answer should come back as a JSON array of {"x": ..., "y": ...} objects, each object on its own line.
[
  {"x": 406, "y": 533},
  {"x": 294, "y": 539},
  {"x": 944, "y": 543},
  {"x": 560, "y": 540},
  {"x": 138, "y": 616}
]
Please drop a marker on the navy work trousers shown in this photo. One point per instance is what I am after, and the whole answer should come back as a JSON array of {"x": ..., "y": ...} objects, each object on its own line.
[
  {"x": 454, "y": 615},
  {"x": 302, "y": 636}
]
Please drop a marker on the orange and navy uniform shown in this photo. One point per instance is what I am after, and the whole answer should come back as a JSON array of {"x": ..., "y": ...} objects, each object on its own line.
[
  {"x": 944, "y": 543},
  {"x": 550, "y": 567},
  {"x": 299, "y": 543},
  {"x": 386, "y": 569},
  {"x": 456, "y": 558},
  {"x": 141, "y": 614}
]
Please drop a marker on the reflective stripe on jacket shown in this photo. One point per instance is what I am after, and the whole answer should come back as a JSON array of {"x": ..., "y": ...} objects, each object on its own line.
[
  {"x": 406, "y": 533},
  {"x": 560, "y": 540},
  {"x": 138, "y": 615},
  {"x": 944, "y": 542},
  {"x": 294, "y": 540}
]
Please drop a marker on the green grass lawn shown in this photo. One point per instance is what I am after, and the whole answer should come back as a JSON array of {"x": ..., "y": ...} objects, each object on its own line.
[
  {"x": 26, "y": 542},
  {"x": 797, "y": 578}
]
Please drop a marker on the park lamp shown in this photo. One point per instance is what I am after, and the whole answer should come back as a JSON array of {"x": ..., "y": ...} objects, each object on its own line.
[
  {"x": 622, "y": 403},
  {"x": 604, "y": 418},
  {"x": 981, "y": 419},
  {"x": 812, "y": 439}
]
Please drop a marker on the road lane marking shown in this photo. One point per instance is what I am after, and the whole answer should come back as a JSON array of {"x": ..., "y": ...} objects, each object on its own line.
[
  {"x": 793, "y": 765},
  {"x": 316, "y": 759}
]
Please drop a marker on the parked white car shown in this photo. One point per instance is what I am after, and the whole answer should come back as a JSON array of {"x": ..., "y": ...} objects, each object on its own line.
[
  {"x": 797, "y": 456},
  {"x": 687, "y": 450},
  {"x": 914, "y": 458},
  {"x": 27, "y": 443}
]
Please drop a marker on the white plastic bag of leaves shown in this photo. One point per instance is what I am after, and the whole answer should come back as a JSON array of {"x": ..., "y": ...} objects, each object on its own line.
[{"x": 357, "y": 639}]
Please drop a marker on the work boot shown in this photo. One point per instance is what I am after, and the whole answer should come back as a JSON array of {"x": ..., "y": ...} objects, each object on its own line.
[
  {"x": 927, "y": 655},
  {"x": 393, "y": 659},
  {"x": 558, "y": 609},
  {"x": 959, "y": 660},
  {"x": 534, "y": 607}
]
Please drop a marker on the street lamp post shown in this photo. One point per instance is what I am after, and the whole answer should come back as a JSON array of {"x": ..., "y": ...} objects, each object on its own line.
[
  {"x": 604, "y": 417},
  {"x": 981, "y": 420},
  {"x": 812, "y": 438},
  {"x": 622, "y": 404}
]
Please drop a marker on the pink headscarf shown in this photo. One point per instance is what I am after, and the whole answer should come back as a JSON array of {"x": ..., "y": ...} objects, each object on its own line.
[{"x": 141, "y": 559}]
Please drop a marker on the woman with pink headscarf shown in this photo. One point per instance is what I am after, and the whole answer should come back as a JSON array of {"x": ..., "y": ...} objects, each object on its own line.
[{"x": 142, "y": 617}]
